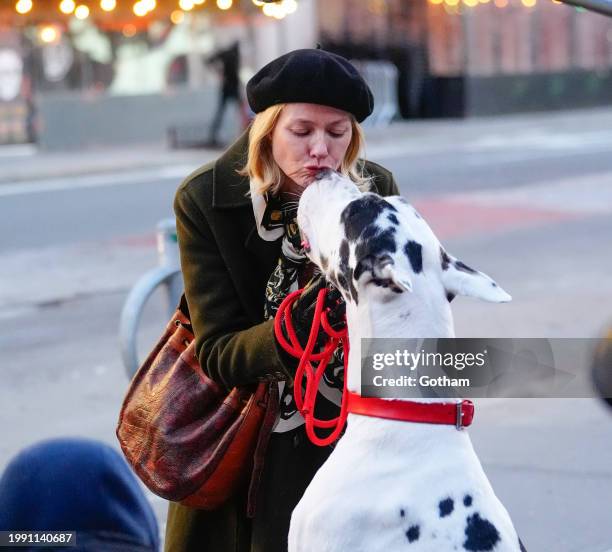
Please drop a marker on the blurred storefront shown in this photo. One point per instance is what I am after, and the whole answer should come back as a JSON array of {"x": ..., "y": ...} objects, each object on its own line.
[
  {"x": 477, "y": 57},
  {"x": 79, "y": 73}
]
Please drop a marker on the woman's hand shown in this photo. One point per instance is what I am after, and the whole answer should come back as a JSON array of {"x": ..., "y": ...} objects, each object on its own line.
[{"x": 302, "y": 315}]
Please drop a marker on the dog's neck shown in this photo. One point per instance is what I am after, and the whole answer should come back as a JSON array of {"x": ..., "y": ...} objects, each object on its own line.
[{"x": 404, "y": 317}]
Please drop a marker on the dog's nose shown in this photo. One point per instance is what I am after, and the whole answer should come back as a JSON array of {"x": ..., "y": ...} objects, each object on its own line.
[{"x": 324, "y": 173}]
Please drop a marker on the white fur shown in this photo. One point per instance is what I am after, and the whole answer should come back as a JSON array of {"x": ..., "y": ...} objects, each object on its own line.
[{"x": 380, "y": 468}]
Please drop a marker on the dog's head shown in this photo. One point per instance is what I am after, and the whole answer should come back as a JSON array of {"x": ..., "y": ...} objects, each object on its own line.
[{"x": 364, "y": 243}]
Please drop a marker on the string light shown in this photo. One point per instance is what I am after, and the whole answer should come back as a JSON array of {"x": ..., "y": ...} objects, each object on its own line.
[
  {"x": 177, "y": 17},
  {"x": 501, "y": 3},
  {"x": 290, "y": 6},
  {"x": 277, "y": 9},
  {"x": 436, "y": 2},
  {"x": 67, "y": 6},
  {"x": 529, "y": 3},
  {"x": 81, "y": 12},
  {"x": 48, "y": 34},
  {"x": 23, "y": 6},
  {"x": 108, "y": 5},
  {"x": 140, "y": 9},
  {"x": 470, "y": 3},
  {"x": 274, "y": 10}
]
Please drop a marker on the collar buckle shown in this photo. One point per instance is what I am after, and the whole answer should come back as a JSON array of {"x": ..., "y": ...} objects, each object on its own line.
[{"x": 459, "y": 417}]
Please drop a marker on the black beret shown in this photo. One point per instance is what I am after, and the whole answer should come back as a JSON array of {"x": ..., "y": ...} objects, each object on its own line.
[{"x": 311, "y": 76}]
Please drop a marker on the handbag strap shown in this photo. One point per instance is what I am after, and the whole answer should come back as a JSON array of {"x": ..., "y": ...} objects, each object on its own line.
[
  {"x": 272, "y": 407},
  {"x": 183, "y": 308}
]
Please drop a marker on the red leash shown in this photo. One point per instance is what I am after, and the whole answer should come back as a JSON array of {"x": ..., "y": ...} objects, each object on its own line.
[{"x": 306, "y": 402}]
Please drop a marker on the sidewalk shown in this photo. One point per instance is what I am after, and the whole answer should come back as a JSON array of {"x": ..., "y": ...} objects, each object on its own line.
[{"x": 521, "y": 130}]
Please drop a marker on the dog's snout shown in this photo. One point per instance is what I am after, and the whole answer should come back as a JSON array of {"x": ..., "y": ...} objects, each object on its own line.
[{"x": 324, "y": 173}]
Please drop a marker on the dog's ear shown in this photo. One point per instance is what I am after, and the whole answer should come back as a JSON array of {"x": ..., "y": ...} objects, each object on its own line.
[
  {"x": 383, "y": 272},
  {"x": 460, "y": 279}
]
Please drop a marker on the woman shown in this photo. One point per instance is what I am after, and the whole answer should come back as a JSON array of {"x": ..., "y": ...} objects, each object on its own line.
[{"x": 240, "y": 255}]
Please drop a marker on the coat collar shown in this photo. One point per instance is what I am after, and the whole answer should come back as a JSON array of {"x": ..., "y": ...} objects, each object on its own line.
[{"x": 229, "y": 188}]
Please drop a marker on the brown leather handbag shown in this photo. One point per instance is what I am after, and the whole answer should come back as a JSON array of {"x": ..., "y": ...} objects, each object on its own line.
[{"x": 186, "y": 437}]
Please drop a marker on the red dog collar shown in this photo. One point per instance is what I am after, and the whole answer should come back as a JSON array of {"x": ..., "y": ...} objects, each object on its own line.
[{"x": 458, "y": 414}]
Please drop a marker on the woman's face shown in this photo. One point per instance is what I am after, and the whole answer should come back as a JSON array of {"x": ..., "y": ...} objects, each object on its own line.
[{"x": 308, "y": 138}]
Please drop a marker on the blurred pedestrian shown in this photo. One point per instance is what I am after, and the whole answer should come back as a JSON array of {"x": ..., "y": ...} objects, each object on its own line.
[
  {"x": 241, "y": 255},
  {"x": 72, "y": 484},
  {"x": 228, "y": 63}
]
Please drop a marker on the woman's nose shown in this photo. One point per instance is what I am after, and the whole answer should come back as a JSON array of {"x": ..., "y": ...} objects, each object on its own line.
[{"x": 318, "y": 148}]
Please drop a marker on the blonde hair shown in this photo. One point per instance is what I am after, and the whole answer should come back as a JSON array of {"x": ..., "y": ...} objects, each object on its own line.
[{"x": 267, "y": 176}]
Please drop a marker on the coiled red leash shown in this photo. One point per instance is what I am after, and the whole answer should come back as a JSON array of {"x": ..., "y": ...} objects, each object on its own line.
[{"x": 306, "y": 403}]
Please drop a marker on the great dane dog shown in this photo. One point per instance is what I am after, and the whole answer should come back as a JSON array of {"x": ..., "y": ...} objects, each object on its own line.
[{"x": 390, "y": 485}]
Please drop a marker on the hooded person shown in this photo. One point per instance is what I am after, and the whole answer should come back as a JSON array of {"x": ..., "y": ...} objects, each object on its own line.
[{"x": 73, "y": 484}]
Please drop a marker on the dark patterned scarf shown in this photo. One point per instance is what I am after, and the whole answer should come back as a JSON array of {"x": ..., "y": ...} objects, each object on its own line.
[{"x": 292, "y": 272}]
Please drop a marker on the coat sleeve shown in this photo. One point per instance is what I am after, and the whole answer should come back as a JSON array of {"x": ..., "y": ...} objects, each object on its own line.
[{"x": 231, "y": 350}]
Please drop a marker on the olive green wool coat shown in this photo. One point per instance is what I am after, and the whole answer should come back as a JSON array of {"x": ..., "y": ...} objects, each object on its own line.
[{"x": 226, "y": 266}]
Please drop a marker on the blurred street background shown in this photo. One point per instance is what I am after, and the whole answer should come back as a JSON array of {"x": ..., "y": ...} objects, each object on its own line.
[{"x": 495, "y": 118}]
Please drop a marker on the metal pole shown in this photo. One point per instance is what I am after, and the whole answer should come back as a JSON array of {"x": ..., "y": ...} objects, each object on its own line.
[
  {"x": 167, "y": 249},
  {"x": 167, "y": 275}
]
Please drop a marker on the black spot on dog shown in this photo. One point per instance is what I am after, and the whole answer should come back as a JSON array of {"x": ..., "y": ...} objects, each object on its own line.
[
  {"x": 467, "y": 501},
  {"x": 380, "y": 282},
  {"x": 377, "y": 244},
  {"x": 481, "y": 534},
  {"x": 344, "y": 254},
  {"x": 445, "y": 259},
  {"x": 402, "y": 513},
  {"x": 449, "y": 296},
  {"x": 493, "y": 284},
  {"x": 446, "y": 507},
  {"x": 413, "y": 533},
  {"x": 523, "y": 549},
  {"x": 362, "y": 266},
  {"x": 416, "y": 214},
  {"x": 343, "y": 265},
  {"x": 414, "y": 253},
  {"x": 352, "y": 288},
  {"x": 362, "y": 212},
  {"x": 392, "y": 218},
  {"x": 464, "y": 268},
  {"x": 369, "y": 232},
  {"x": 343, "y": 282}
]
